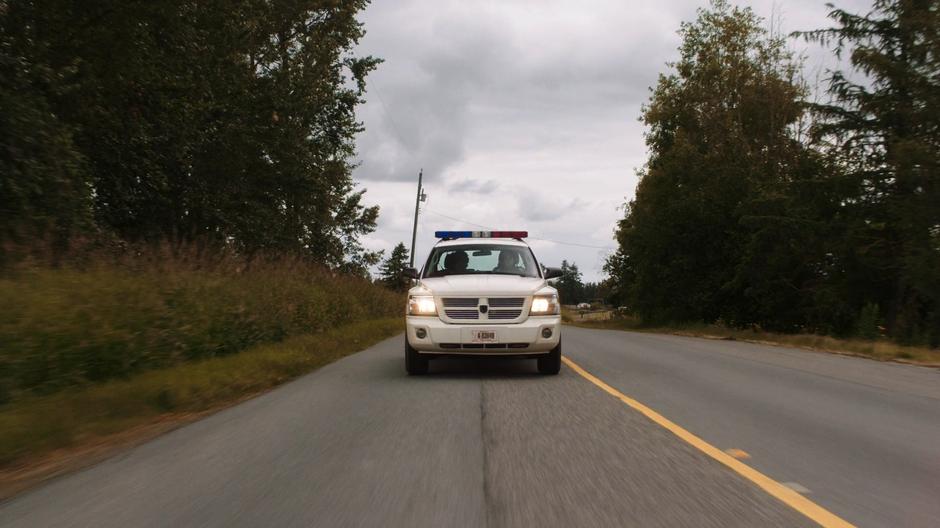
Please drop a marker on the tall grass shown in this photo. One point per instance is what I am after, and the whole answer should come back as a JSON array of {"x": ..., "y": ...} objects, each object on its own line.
[
  {"x": 35, "y": 425},
  {"x": 104, "y": 317}
]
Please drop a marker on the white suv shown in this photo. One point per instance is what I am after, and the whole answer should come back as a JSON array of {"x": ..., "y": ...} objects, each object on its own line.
[{"x": 483, "y": 293}]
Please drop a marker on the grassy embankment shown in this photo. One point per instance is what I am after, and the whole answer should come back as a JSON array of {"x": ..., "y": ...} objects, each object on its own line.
[
  {"x": 880, "y": 349},
  {"x": 90, "y": 351}
]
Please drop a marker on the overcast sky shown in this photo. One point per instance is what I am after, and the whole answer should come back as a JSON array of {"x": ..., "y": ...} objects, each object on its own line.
[{"x": 523, "y": 114}]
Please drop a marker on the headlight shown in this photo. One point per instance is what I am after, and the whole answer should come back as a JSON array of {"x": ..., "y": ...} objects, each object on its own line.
[
  {"x": 544, "y": 305},
  {"x": 421, "y": 305}
]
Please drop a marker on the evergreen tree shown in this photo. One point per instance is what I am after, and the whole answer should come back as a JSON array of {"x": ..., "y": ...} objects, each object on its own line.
[
  {"x": 884, "y": 132},
  {"x": 392, "y": 270},
  {"x": 599, "y": 291},
  {"x": 569, "y": 285}
]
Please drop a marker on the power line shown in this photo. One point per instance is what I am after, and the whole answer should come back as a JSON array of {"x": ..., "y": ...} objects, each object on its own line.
[
  {"x": 608, "y": 248},
  {"x": 397, "y": 132},
  {"x": 388, "y": 115},
  {"x": 459, "y": 220}
]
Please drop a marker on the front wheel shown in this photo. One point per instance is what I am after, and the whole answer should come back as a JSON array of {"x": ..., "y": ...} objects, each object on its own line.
[
  {"x": 415, "y": 363},
  {"x": 550, "y": 363}
]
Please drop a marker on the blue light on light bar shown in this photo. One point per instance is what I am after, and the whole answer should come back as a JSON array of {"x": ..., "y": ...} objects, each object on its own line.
[
  {"x": 481, "y": 234},
  {"x": 453, "y": 234}
]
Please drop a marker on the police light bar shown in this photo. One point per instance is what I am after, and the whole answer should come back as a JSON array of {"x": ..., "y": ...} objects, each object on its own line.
[{"x": 481, "y": 234}]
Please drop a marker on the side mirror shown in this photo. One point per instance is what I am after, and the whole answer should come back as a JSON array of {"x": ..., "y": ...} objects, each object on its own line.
[
  {"x": 411, "y": 273},
  {"x": 552, "y": 273}
]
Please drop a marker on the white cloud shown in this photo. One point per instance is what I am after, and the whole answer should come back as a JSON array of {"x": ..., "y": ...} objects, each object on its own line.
[{"x": 523, "y": 114}]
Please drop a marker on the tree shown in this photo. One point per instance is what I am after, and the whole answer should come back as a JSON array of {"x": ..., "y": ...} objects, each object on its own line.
[
  {"x": 758, "y": 207},
  {"x": 884, "y": 132},
  {"x": 392, "y": 271},
  {"x": 569, "y": 285},
  {"x": 43, "y": 193},
  {"x": 228, "y": 121},
  {"x": 722, "y": 147},
  {"x": 599, "y": 291}
]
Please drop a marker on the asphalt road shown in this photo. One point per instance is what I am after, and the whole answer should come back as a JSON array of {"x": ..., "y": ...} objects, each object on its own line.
[
  {"x": 858, "y": 437},
  {"x": 490, "y": 443}
]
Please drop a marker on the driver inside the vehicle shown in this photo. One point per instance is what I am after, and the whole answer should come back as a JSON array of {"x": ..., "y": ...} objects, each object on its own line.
[
  {"x": 456, "y": 262},
  {"x": 508, "y": 262}
]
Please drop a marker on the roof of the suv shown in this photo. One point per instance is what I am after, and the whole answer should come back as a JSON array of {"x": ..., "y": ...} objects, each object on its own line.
[{"x": 490, "y": 241}]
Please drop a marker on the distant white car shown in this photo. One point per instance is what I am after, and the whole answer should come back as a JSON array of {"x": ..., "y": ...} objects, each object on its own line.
[
  {"x": 483, "y": 294},
  {"x": 584, "y": 306}
]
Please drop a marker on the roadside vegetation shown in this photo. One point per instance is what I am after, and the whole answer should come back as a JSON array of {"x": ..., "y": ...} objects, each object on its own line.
[
  {"x": 113, "y": 317},
  {"x": 197, "y": 122},
  {"x": 769, "y": 202},
  {"x": 109, "y": 341},
  {"x": 881, "y": 349},
  {"x": 179, "y": 226},
  {"x": 37, "y": 424}
]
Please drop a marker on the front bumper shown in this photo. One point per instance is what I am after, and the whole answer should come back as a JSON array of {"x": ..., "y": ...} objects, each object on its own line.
[{"x": 511, "y": 339}]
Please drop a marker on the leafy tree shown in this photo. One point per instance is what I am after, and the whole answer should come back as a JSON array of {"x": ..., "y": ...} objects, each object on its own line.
[
  {"x": 754, "y": 211},
  {"x": 392, "y": 271},
  {"x": 43, "y": 194},
  {"x": 569, "y": 285},
  {"x": 229, "y": 121},
  {"x": 720, "y": 136},
  {"x": 884, "y": 132}
]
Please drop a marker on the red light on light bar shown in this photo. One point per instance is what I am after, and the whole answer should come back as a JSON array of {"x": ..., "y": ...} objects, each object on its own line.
[{"x": 509, "y": 234}]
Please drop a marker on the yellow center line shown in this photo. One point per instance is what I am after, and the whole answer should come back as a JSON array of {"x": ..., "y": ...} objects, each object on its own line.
[
  {"x": 740, "y": 454},
  {"x": 786, "y": 495}
]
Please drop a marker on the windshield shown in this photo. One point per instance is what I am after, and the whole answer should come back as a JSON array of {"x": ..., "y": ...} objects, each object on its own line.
[{"x": 481, "y": 259}]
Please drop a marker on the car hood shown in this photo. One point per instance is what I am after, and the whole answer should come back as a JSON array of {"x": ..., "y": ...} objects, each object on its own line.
[{"x": 483, "y": 285}]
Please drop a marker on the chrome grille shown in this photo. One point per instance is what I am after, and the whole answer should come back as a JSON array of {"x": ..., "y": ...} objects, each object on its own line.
[
  {"x": 504, "y": 314},
  {"x": 462, "y": 314},
  {"x": 506, "y": 302},
  {"x": 498, "y": 309},
  {"x": 460, "y": 302}
]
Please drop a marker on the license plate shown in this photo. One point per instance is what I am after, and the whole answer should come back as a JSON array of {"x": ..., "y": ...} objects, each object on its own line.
[{"x": 483, "y": 336}]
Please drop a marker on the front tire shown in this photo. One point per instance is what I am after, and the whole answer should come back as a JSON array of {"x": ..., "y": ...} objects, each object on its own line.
[
  {"x": 415, "y": 363},
  {"x": 550, "y": 364}
]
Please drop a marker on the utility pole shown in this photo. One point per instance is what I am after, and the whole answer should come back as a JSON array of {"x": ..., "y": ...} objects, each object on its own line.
[{"x": 414, "y": 231}]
